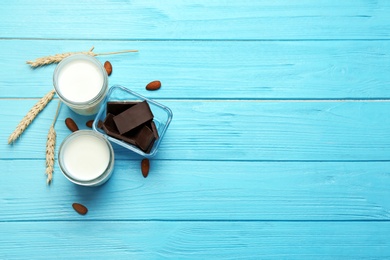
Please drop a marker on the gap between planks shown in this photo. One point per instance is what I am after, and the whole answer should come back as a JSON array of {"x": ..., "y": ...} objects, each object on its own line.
[
  {"x": 192, "y": 40},
  {"x": 268, "y": 100},
  {"x": 224, "y": 160},
  {"x": 202, "y": 220}
]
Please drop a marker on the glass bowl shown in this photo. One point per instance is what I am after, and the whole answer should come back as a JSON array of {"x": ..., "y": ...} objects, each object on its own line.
[{"x": 162, "y": 117}]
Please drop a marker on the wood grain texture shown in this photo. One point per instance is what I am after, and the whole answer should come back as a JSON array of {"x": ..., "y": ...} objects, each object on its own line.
[
  {"x": 195, "y": 240},
  {"x": 216, "y": 70},
  {"x": 278, "y": 149},
  {"x": 236, "y": 130},
  {"x": 201, "y": 191},
  {"x": 349, "y": 19}
]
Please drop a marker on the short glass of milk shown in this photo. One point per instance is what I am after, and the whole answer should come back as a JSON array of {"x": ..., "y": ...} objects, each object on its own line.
[
  {"x": 81, "y": 83},
  {"x": 86, "y": 158}
]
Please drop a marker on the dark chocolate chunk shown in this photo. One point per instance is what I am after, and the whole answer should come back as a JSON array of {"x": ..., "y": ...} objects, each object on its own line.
[
  {"x": 109, "y": 126},
  {"x": 117, "y": 107},
  {"x": 110, "y": 129},
  {"x": 131, "y": 122},
  {"x": 154, "y": 129},
  {"x": 145, "y": 139},
  {"x": 133, "y": 117}
]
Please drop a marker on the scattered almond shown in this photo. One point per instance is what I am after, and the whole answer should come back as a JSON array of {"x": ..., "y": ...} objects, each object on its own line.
[
  {"x": 89, "y": 123},
  {"x": 100, "y": 124},
  {"x": 145, "y": 166},
  {"x": 79, "y": 208},
  {"x": 71, "y": 124},
  {"x": 108, "y": 67},
  {"x": 154, "y": 85}
]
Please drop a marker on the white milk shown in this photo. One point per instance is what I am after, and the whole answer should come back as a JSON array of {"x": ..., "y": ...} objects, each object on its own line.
[
  {"x": 80, "y": 81},
  {"x": 85, "y": 157}
]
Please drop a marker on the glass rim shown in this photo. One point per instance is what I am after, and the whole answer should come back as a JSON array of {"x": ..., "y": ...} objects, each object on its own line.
[
  {"x": 85, "y": 57},
  {"x": 107, "y": 171}
]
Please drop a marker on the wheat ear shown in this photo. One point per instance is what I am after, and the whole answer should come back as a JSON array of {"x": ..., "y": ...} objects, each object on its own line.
[
  {"x": 59, "y": 57},
  {"x": 50, "y": 147},
  {"x": 30, "y": 116}
]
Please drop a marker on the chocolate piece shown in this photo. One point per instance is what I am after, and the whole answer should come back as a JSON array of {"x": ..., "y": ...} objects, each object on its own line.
[
  {"x": 145, "y": 139},
  {"x": 154, "y": 129},
  {"x": 133, "y": 117},
  {"x": 111, "y": 130},
  {"x": 131, "y": 122},
  {"x": 117, "y": 107},
  {"x": 109, "y": 126}
]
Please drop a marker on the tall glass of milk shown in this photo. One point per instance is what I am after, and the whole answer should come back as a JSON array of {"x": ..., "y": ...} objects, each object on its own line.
[
  {"x": 86, "y": 158},
  {"x": 81, "y": 83}
]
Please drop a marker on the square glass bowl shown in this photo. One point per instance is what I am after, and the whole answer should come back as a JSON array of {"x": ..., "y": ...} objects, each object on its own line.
[{"x": 162, "y": 117}]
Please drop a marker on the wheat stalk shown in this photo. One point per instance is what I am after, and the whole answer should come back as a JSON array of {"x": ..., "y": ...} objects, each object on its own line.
[
  {"x": 30, "y": 116},
  {"x": 59, "y": 57},
  {"x": 50, "y": 147}
]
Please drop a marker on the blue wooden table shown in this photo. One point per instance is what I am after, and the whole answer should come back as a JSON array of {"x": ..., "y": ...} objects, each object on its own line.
[{"x": 279, "y": 146}]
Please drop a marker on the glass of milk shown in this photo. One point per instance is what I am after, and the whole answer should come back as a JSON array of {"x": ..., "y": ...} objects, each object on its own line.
[
  {"x": 81, "y": 83},
  {"x": 86, "y": 158}
]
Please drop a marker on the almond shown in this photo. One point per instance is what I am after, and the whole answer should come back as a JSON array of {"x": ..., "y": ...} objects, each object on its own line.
[
  {"x": 71, "y": 124},
  {"x": 89, "y": 123},
  {"x": 154, "y": 85},
  {"x": 100, "y": 124},
  {"x": 145, "y": 166},
  {"x": 108, "y": 67},
  {"x": 79, "y": 208}
]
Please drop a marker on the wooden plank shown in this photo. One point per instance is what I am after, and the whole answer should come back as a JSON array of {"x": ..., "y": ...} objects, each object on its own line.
[
  {"x": 296, "y": 19},
  {"x": 222, "y": 70},
  {"x": 203, "y": 190},
  {"x": 235, "y": 130},
  {"x": 195, "y": 240}
]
